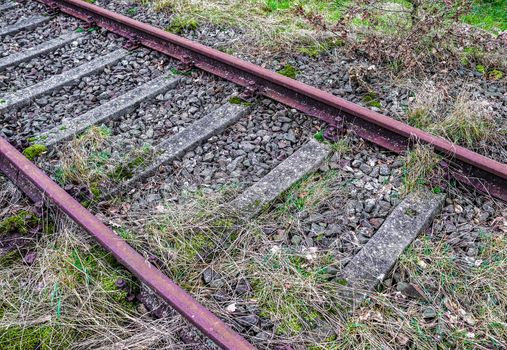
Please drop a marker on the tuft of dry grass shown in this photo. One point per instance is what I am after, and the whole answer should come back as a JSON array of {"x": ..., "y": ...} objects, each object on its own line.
[
  {"x": 466, "y": 120},
  {"x": 420, "y": 168},
  {"x": 68, "y": 299},
  {"x": 469, "y": 123}
]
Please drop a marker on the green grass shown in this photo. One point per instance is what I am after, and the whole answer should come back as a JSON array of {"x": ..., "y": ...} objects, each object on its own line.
[
  {"x": 277, "y": 25},
  {"x": 490, "y": 15},
  {"x": 289, "y": 71}
]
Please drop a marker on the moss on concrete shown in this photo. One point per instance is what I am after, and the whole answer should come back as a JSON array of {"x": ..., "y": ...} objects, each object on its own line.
[{"x": 34, "y": 151}]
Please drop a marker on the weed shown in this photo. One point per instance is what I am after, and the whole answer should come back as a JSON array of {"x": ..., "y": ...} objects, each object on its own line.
[
  {"x": 126, "y": 170},
  {"x": 236, "y": 100},
  {"x": 371, "y": 100},
  {"x": 132, "y": 11},
  {"x": 419, "y": 118},
  {"x": 319, "y": 136},
  {"x": 420, "y": 165},
  {"x": 2, "y": 101},
  {"x": 318, "y": 47},
  {"x": 22, "y": 222},
  {"x": 307, "y": 193},
  {"x": 182, "y": 24},
  {"x": 468, "y": 123},
  {"x": 480, "y": 68},
  {"x": 288, "y": 71},
  {"x": 34, "y": 151},
  {"x": 495, "y": 74},
  {"x": 178, "y": 72}
]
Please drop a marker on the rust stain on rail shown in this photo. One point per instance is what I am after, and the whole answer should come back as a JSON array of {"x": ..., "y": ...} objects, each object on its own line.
[{"x": 38, "y": 186}]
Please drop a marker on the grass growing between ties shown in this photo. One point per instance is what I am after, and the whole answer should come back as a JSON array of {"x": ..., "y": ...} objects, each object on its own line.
[
  {"x": 421, "y": 167},
  {"x": 88, "y": 164},
  {"x": 253, "y": 274}
]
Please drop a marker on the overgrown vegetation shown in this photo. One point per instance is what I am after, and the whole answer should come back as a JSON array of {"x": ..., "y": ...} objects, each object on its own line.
[
  {"x": 71, "y": 297},
  {"x": 67, "y": 297},
  {"x": 409, "y": 36},
  {"x": 420, "y": 168},
  {"x": 467, "y": 122},
  {"x": 88, "y": 166},
  {"x": 271, "y": 24}
]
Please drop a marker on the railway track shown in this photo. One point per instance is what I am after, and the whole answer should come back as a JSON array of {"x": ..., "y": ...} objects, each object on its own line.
[{"x": 119, "y": 78}]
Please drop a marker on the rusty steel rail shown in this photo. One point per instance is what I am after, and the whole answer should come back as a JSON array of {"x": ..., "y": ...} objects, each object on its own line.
[
  {"x": 483, "y": 173},
  {"x": 40, "y": 188}
]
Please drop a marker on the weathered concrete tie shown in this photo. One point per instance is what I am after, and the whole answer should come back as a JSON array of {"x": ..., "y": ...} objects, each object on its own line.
[
  {"x": 177, "y": 145},
  {"x": 45, "y": 47},
  {"x": 24, "y": 96},
  {"x": 23, "y": 24},
  {"x": 374, "y": 261},
  {"x": 302, "y": 162}
]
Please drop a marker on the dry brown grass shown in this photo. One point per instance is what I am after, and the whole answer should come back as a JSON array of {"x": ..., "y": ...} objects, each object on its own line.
[
  {"x": 65, "y": 299},
  {"x": 465, "y": 119}
]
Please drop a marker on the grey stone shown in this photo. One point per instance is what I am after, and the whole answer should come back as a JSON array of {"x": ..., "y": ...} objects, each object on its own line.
[
  {"x": 365, "y": 168},
  {"x": 410, "y": 290},
  {"x": 248, "y": 321},
  {"x": 429, "y": 313},
  {"x": 8, "y": 6},
  {"x": 384, "y": 170}
]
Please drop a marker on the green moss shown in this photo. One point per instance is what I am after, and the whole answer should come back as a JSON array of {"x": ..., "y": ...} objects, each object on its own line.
[
  {"x": 20, "y": 223},
  {"x": 34, "y": 151},
  {"x": 42, "y": 337},
  {"x": 495, "y": 74},
  {"x": 181, "y": 24},
  {"x": 480, "y": 68},
  {"x": 236, "y": 100},
  {"x": 288, "y": 71},
  {"x": 371, "y": 100},
  {"x": 118, "y": 295}
]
